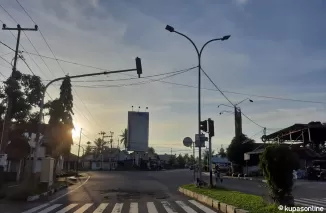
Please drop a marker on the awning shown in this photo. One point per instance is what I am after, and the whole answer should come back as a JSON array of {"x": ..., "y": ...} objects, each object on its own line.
[{"x": 314, "y": 131}]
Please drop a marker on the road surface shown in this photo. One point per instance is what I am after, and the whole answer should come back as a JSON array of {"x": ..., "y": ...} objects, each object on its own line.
[{"x": 113, "y": 191}]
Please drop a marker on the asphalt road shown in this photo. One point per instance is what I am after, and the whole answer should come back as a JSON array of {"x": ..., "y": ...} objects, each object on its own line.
[{"x": 113, "y": 191}]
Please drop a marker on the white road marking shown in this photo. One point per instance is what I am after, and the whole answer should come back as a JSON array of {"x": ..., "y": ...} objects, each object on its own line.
[
  {"x": 168, "y": 207},
  {"x": 36, "y": 208},
  {"x": 151, "y": 207},
  {"x": 185, "y": 207},
  {"x": 67, "y": 208},
  {"x": 54, "y": 206},
  {"x": 84, "y": 208},
  {"x": 202, "y": 207},
  {"x": 101, "y": 208},
  {"x": 133, "y": 208},
  {"x": 70, "y": 191},
  {"x": 117, "y": 208}
]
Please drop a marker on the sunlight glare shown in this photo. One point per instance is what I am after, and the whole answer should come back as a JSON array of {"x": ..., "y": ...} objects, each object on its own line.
[{"x": 76, "y": 131}]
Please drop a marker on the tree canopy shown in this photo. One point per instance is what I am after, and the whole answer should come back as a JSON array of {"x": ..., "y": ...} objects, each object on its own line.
[
  {"x": 222, "y": 152},
  {"x": 124, "y": 137},
  {"x": 237, "y": 148},
  {"x": 60, "y": 111},
  {"x": 279, "y": 175}
]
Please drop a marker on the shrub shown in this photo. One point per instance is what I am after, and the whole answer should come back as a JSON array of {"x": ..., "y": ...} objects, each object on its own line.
[{"x": 278, "y": 163}]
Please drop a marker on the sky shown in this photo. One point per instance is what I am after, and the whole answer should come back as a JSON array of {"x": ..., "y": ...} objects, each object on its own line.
[{"x": 276, "y": 49}]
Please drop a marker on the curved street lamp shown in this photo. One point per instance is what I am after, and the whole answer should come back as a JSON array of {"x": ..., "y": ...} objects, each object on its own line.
[
  {"x": 199, "y": 54},
  {"x": 224, "y": 111}
]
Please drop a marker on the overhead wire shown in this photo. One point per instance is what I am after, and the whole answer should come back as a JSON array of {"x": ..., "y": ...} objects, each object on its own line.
[
  {"x": 138, "y": 83},
  {"x": 184, "y": 85},
  {"x": 57, "y": 61},
  {"x": 229, "y": 99}
]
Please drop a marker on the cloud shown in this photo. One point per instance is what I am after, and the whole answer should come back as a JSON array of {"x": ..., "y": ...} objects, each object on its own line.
[{"x": 267, "y": 54}]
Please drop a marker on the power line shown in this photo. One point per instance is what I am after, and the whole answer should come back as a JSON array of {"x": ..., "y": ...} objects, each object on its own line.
[
  {"x": 251, "y": 120},
  {"x": 138, "y": 83},
  {"x": 217, "y": 87},
  {"x": 184, "y": 85},
  {"x": 57, "y": 61},
  {"x": 229, "y": 99},
  {"x": 5, "y": 60},
  {"x": 126, "y": 79}
]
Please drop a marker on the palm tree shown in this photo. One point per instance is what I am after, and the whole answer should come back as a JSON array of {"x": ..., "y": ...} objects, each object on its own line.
[
  {"x": 124, "y": 137},
  {"x": 99, "y": 143}
]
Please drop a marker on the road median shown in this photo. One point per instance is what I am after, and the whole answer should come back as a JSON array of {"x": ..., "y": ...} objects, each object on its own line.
[{"x": 228, "y": 201}]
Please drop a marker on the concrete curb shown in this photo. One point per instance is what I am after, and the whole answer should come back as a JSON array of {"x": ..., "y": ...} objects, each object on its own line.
[
  {"x": 223, "y": 207},
  {"x": 48, "y": 193},
  {"x": 245, "y": 178}
]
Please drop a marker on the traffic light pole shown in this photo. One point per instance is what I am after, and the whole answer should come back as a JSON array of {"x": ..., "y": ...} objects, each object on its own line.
[
  {"x": 210, "y": 161},
  {"x": 138, "y": 69}
]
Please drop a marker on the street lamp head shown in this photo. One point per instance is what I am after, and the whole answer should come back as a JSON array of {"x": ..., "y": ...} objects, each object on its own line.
[
  {"x": 169, "y": 28},
  {"x": 225, "y": 37},
  {"x": 221, "y": 113},
  {"x": 251, "y": 100}
]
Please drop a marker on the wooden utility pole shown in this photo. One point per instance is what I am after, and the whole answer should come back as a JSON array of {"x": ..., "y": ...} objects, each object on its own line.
[
  {"x": 78, "y": 150},
  {"x": 7, "y": 119},
  {"x": 111, "y": 141}
]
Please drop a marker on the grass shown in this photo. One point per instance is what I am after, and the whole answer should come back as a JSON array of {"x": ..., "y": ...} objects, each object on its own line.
[{"x": 251, "y": 203}]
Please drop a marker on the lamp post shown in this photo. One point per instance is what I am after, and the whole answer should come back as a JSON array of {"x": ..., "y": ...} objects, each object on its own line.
[{"x": 199, "y": 54}]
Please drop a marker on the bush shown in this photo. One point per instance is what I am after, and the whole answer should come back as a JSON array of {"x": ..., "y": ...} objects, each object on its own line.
[{"x": 278, "y": 163}]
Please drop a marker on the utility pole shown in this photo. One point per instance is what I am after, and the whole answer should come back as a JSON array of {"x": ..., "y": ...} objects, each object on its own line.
[
  {"x": 78, "y": 150},
  {"x": 7, "y": 119},
  {"x": 111, "y": 141},
  {"x": 103, "y": 136}
]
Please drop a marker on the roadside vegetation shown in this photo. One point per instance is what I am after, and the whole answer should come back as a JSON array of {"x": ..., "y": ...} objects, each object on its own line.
[{"x": 251, "y": 203}]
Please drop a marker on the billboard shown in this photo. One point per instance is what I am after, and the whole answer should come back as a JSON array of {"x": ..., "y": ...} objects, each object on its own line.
[{"x": 138, "y": 128}]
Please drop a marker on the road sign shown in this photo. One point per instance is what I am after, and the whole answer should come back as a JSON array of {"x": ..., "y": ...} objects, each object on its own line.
[
  {"x": 246, "y": 156},
  {"x": 187, "y": 141},
  {"x": 202, "y": 140}
]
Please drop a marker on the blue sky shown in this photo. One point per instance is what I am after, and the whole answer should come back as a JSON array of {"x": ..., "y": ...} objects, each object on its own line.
[{"x": 276, "y": 49}]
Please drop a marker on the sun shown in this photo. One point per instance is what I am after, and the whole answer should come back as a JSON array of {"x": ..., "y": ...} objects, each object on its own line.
[{"x": 76, "y": 131}]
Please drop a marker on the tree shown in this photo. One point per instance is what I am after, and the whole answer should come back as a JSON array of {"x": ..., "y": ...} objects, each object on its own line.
[
  {"x": 88, "y": 149},
  {"x": 279, "y": 174},
  {"x": 25, "y": 92},
  {"x": 181, "y": 161},
  {"x": 61, "y": 123},
  {"x": 222, "y": 153},
  {"x": 151, "y": 150},
  {"x": 124, "y": 137},
  {"x": 237, "y": 148},
  {"x": 172, "y": 160},
  {"x": 99, "y": 146},
  {"x": 191, "y": 159},
  {"x": 206, "y": 155},
  {"x": 186, "y": 158}
]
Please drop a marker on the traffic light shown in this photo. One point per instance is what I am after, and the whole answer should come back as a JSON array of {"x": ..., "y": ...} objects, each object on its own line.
[
  {"x": 203, "y": 126},
  {"x": 211, "y": 127},
  {"x": 138, "y": 67}
]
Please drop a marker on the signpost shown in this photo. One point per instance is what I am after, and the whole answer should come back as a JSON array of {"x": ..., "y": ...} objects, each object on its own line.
[{"x": 188, "y": 142}]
